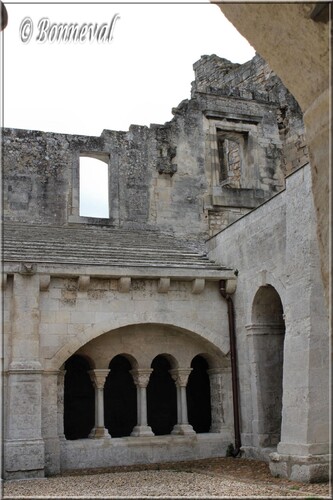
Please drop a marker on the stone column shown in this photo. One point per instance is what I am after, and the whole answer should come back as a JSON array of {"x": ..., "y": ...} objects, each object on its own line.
[
  {"x": 180, "y": 376},
  {"x": 23, "y": 442},
  {"x": 98, "y": 378},
  {"x": 141, "y": 379}
]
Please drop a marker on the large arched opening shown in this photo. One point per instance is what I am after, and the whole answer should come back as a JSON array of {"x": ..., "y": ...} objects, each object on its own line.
[
  {"x": 266, "y": 337},
  {"x": 120, "y": 405},
  {"x": 161, "y": 397},
  {"x": 198, "y": 396},
  {"x": 79, "y": 399}
]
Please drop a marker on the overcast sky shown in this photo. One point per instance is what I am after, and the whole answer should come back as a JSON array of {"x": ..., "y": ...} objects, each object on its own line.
[{"x": 83, "y": 88}]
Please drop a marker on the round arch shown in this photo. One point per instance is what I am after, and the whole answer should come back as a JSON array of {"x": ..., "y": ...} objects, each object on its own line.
[
  {"x": 196, "y": 329},
  {"x": 267, "y": 307},
  {"x": 120, "y": 403},
  {"x": 162, "y": 396},
  {"x": 266, "y": 345},
  {"x": 268, "y": 279},
  {"x": 79, "y": 398},
  {"x": 199, "y": 395}
]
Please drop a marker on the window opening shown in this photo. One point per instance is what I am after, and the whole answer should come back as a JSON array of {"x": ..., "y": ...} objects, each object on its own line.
[
  {"x": 94, "y": 188},
  {"x": 230, "y": 152}
]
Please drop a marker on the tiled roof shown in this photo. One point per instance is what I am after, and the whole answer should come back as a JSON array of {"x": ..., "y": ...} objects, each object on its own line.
[{"x": 100, "y": 246}]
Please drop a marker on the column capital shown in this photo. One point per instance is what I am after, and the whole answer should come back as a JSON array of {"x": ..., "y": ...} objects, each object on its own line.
[
  {"x": 180, "y": 375},
  {"x": 141, "y": 376},
  {"x": 98, "y": 377},
  {"x": 265, "y": 329},
  {"x": 216, "y": 371}
]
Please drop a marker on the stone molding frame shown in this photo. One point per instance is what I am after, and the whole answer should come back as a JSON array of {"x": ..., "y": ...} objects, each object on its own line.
[
  {"x": 74, "y": 214},
  {"x": 249, "y": 134}
]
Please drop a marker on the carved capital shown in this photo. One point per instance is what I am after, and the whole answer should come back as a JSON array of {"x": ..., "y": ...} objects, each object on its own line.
[
  {"x": 180, "y": 376},
  {"x": 98, "y": 377},
  {"x": 28, "y": 268},
  {"x": 141, "y": 376}
]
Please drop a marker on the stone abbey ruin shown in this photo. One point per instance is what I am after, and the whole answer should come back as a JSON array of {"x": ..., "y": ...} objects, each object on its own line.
[{"x": 193, "y": 317}]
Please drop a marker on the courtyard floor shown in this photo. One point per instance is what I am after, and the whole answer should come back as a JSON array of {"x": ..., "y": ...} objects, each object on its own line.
[{"x": 219, "y": 477}]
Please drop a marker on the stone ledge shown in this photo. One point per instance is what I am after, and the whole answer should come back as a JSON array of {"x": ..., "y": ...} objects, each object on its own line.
[
  {"x": 115, "y": 272},
  {"x": 90, "y": 453}
]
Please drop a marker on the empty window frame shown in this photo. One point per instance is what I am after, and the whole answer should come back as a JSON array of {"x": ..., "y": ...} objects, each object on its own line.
[{"x": 94, "y": 187}]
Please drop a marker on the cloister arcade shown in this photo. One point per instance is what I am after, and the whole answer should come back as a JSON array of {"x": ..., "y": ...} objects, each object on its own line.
[{"x": 145, "y": 380}]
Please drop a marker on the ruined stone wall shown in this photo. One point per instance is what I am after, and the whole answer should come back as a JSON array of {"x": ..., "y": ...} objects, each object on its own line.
[
  {"x": 249, "y": 104},
  {"x": 255, "y": 80},
  {"x": 226, "y": 151},
  {"x": 147, "y": 187},
  {"x": 295, "y": 41}
]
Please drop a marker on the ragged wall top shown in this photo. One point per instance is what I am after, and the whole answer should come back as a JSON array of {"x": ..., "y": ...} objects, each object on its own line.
[
  {"x": 255, "y": 81},
  {"x": 226, "y": 150}
]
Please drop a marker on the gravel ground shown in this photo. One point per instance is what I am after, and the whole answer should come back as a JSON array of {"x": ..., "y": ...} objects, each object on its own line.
[{"x": 222, "y": 477}]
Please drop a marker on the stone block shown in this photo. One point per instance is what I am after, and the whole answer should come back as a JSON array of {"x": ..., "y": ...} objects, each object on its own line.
[{"x": 24, "y": 459}]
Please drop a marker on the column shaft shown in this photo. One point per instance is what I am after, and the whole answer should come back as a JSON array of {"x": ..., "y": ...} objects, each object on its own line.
[
  {"x": 98, "y": 378},
  {"x": 141, "y": 379},
  {"x": 180, "y": 376}
]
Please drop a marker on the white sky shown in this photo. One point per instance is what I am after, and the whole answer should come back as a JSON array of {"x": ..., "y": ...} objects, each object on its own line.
[{"x": 137, "y": 78}]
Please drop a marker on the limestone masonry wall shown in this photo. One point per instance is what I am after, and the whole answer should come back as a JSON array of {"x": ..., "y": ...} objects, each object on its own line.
[
  {"x": 98, "y": 308},
  {"x": 174, "y": 177}
]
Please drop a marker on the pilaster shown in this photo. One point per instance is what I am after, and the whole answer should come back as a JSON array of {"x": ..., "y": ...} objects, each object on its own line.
[
  {"x": 50, "y": 422},
  {"x": 23, "y": 442},
  {"x": 221, "y": 395}
]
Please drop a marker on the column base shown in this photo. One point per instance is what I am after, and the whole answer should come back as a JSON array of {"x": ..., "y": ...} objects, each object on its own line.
[
  {"x": 99, "y": 433},
  {"x": 142, "y": 430},
  {"x": 183, "y": 429},
  {"x": 308, "y": 469}
]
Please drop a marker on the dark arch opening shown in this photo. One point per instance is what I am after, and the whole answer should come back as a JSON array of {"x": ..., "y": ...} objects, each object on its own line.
[
  {"x": 161, "y": 398},
  {"x": 198, "y": 396},
  {"x": 79, "y": 399},
  {"x": 120, "y": 398}
]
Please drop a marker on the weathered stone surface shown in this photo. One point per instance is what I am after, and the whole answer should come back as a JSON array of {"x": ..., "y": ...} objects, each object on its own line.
[
  {"x": 275, "y": 246},
  {"x": 138, "y": 288},
  {"x": 295, "y": 40}
]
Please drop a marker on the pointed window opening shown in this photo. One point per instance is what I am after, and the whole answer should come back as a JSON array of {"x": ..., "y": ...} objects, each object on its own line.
[{"x": 94, "y": 188}]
